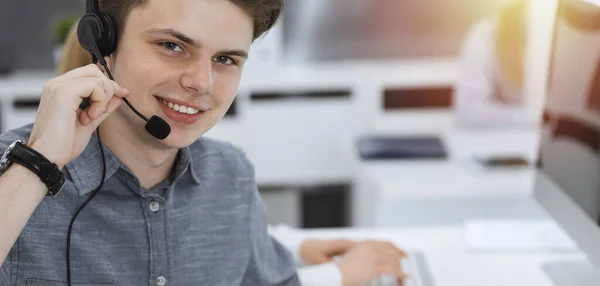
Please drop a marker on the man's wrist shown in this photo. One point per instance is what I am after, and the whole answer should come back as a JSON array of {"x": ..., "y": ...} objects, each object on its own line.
[
  {"x": 46, "y": 153},
  {"x": 18, "y": 153},
  {"x": 22, "y": 174}
]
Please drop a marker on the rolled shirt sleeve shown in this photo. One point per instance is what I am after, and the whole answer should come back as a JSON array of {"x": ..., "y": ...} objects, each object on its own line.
[{"x": 270, "y": 263}]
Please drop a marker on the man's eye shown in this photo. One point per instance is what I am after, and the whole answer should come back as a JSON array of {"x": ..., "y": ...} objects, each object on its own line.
[
  {"x": 224, "y": 60},
  {"x": 171, "y": 46}
]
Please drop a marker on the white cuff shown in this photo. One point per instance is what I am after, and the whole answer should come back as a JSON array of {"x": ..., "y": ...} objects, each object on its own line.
[{"x": 326, "y": 274}]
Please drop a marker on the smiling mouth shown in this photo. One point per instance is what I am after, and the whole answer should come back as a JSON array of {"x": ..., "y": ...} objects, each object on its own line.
[{"x": 179, "y": 108}]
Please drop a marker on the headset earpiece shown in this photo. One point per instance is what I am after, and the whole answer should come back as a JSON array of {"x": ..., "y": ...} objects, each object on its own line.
[
  {"x": 108, "y": 43},
  {"x": 97, "y": 30},
  {"x": 87, "y": 31}
]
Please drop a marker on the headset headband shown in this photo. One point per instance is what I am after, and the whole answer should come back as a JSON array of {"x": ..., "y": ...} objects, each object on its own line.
[{"x": 92, "y": 6}]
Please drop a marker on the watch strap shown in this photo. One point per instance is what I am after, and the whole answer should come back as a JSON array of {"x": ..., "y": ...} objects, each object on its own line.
[{"x": 47, "y": 171}]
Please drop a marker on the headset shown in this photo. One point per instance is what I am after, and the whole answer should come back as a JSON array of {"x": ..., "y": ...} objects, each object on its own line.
[{"x": 97, "y": 34}]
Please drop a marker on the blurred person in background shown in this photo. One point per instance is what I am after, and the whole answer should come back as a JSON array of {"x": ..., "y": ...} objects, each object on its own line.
[
  {"x": 326, "y": 262},
  {"x": 489, "y": 89}
]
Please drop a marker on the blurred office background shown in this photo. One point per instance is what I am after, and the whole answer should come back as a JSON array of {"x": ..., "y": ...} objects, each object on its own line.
[
  {"x": 28, "y": 30},
  {"x": 332, "y": 72},
  {"x": 386, "y": 113},
  {"x": 313, "y": 30},
  {"x": 304, "y": 102}
]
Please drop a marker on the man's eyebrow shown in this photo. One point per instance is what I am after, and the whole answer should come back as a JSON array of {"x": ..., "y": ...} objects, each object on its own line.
[
  {"x": 182, "y": 37},
  {"x": 236, "y": 53},
  {"x": 176, "y": 34}
]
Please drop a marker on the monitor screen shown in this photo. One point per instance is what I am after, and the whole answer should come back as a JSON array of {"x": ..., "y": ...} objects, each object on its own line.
[
  {"x": 568, "y": 178},
  {"x": 570, "y": 148}
]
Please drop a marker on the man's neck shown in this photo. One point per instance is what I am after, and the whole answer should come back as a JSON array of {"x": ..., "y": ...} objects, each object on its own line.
[{"x": 149, "y": 163}]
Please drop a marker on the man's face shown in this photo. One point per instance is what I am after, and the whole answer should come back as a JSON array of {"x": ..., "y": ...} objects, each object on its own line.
[{"x": 177, "y": 53}]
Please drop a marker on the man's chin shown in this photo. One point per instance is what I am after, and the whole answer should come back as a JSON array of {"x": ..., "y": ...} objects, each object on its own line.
[{"x": 178, "y": 141}]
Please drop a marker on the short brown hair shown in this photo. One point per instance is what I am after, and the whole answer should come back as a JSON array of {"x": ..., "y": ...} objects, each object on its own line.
[{"x": 264, "y": 12}]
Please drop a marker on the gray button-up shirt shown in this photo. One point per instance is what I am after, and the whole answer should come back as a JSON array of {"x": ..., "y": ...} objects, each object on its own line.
[{"x": 204, "y": 225}]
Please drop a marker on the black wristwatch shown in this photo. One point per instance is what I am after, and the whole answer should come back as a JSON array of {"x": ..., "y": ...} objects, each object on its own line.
[{"x": 49, "y": 173}]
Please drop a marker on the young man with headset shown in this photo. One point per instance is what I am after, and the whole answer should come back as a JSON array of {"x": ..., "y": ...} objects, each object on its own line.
[
  {"x": 172, "y": 210},
  {"x": 157, "y": 206}
]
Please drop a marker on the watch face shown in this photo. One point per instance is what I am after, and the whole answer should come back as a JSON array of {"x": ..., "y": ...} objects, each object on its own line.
[{"x": 4, "y": 162}]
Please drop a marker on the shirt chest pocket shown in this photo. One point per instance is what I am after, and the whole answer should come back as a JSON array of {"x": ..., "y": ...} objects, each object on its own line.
[{"x": 213, "y": 246}]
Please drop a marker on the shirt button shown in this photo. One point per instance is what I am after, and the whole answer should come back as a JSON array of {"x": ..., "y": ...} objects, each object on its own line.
[
  {"x": 161, "y": 281},
  {"x": 154, "y": 207}
]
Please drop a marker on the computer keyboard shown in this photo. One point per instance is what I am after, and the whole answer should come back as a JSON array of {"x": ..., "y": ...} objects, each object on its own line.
[{"x": 417, "y": 268}]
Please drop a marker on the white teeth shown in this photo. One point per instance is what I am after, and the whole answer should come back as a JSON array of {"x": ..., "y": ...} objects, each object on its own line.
[{"x": 180, "y": 108}]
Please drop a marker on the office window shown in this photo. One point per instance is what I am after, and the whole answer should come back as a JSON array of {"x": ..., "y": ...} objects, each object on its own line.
[
  {"x": 317, "y": 30},
  {"x": 27, "y": 30}
]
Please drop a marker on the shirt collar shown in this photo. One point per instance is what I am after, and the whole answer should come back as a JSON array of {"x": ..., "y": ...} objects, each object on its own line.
[
  {"x": 183, "y": 165},
  {"x": 86, "y": 169}
]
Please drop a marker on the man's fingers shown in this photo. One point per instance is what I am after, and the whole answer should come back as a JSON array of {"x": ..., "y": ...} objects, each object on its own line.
[
  {"x": 402, "y": 253},
  {"x": 89, "y": 71},
  {"x": 84, "y": 119},
  {"x": 386, "y": 253},
  {"x": 113, "y": 104},
  {"x": 403, "y": 276},
  {"x": 92, "y": 70},
  {"x": 388, "y": 249},
  {"x": 98, "y": 100},
  {"x": 395, "y": 270},
  {"x": 119, "y": 91},
  {"x": 393, "y": 247}
]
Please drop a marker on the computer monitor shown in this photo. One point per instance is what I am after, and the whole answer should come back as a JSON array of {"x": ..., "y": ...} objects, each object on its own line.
[{"x": 567, "y": 183}]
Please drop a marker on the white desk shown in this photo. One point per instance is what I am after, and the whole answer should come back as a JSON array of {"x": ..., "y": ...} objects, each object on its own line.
[
  {"x": 452, "y": 264},
  {"x": 427, "y": 202},
  {"x": 417, "y": 192}
]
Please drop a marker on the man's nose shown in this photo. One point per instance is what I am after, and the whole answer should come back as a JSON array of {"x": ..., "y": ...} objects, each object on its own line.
[{"x": 198, "y": 78}]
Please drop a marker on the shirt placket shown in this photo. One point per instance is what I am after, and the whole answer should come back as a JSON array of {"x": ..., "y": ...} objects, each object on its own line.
[{"x": 154, "y": 207}]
